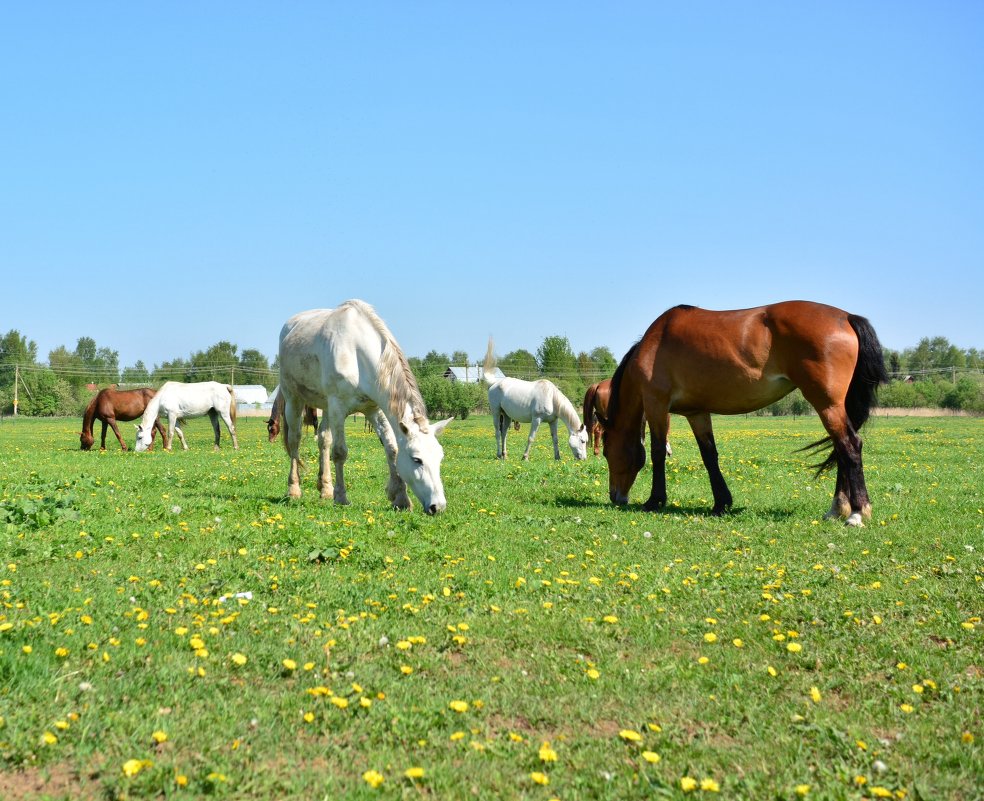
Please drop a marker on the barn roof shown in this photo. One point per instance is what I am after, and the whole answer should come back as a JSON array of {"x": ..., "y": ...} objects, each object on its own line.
[
  {"x": 250, "y": 393},
  {"x": 472, "y": 374}
]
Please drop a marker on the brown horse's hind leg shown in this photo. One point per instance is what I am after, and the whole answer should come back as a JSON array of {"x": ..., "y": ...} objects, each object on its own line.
[
  {"x": 700, "y": 424},
  {"x": 851, "y": 492}
]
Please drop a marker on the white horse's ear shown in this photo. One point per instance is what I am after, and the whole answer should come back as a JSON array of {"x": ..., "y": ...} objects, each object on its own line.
[{"x": 438, "y": 428}]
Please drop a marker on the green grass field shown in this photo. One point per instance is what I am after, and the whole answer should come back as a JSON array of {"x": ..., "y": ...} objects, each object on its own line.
[{"x": 534, "y": 642}]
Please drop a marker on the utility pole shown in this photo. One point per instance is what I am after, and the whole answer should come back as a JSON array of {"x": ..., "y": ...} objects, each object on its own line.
[{"x": 16, "y": 380}]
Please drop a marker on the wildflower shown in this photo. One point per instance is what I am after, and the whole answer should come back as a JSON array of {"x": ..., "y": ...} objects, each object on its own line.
[
  {"x": 710, "y": 637},
  {"x": 341, "y": 703},
  {"x": 181, "y": 780},
  {"x": 238, "y": 659},
  {"x": 802, "y": 789},
  {"x": 132, "y": 767},
  {"x": 702, "y": 660},
  {"x": 688, "y": 784},
  {"x": 794, "y": 647},
  {"x": 591, "y": 673},
  {"x": 289, "y": 664},
  {"x": 815, "y": 695},
  {"x": 406, "y": 670},
  {"x": 737, "y": 642},
  {"x": 967, "y": 738},
  {"x": 414, "y": 773},
  {"x": 881, "y": 792},
  {"x": 547, "y": 754},
  {"x": 630, "y": 735},
  {"x": 458, "y": 706},
  {"x": 651, "y": 757},
  {"x": 917, "y": 689},
  {"x": 309, "y": 717},
  {"x": 907, "y": 708},
  {"x": 373, "y": 778},
  {"x": 710, "y": 786},
  {"x": 540, "y": 778},
  {"x": 48, "y": 738},
  {"x": 159, "y": 736}
]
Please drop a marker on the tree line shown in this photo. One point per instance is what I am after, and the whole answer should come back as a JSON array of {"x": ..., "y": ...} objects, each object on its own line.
[{"x": 934, "y": 373}]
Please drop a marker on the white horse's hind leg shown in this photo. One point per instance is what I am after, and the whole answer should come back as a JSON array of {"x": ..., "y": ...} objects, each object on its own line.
[
  {"x": 396, "y": 487},
  {"x": 213, "y": 417},
  {"x": 339, "y": 450},
  {"x": 227, "y": 419},
  {"x": 553, "y": 435},
  {"x": 291, "y": 421},
  {"x": 534, "y": 425},
  {"x": 324, "y": 447}
]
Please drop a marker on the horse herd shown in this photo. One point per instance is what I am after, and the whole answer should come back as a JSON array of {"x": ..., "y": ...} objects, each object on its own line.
[{"x": 690, "y": 361}]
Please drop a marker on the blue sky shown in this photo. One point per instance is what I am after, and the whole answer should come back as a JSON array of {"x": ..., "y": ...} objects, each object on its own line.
[{"x": 177, "y": 174}]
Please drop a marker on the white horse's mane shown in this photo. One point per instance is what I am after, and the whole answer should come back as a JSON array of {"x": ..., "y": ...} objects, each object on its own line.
[{"x": 396, "y": 378}]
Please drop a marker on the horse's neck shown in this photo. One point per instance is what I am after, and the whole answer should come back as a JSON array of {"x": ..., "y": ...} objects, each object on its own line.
[
  {"x": 567, "y": 412},
  {"x": 89, "y": 416},
  {"x": 153, "y": 409}
]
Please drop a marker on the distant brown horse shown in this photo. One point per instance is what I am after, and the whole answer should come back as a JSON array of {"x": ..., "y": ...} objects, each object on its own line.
[
  {"x": 697, "y": 363},
  {"x": 273, "y": 423},
  {"x": 596, "y": 409},
  {"x": 110, "y": 405}
]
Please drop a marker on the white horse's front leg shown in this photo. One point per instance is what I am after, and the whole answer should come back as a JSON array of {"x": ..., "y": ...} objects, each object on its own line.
[
  {"x": 339, "y": 450},
  {"x": 396, "y": 487},
  {"x": 324, "y": 447},
  {"x": 553, "y": 435},
  {"x": 534, "y": 425},
  {"x": 174, "y": 423}
]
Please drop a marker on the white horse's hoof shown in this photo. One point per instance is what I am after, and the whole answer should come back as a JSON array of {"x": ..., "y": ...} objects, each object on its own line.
[
  {"x": 855, "y": 520},
  {"x": 294, "y": 492}
]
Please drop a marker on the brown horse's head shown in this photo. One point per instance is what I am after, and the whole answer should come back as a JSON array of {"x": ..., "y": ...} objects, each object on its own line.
[
  {"x": 273, "y": 428},
  {"x": 626, "y": 456},
  {"x": 86, "y": 439}
]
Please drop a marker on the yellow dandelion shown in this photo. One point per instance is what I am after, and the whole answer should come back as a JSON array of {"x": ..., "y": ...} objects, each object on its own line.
[
  {"x": 547, "y": 754},
  {"x": 341, "y": 703},
  {"x": 540, "y": 778},
  {"x": 48, "y": 738},
  {"x": 881, "y": 792},
  {"x": 159, "y": 736},
  {"x": 414, "y": 773},
  {"x": 630, "y": 735},
  {"x": 309, "y": 717},
  {"x": 967, "y": 738},
  {"x": 710, "y": 637},
  {"x": 289, "y": 664},
  {"x": 132, "y": 767},
  {"x": 702, "y": 660},
  {"x": 610, "y": 619},
  {"x": 802, "y": 789},
  {"x": 406, "y": 670},
  {"x": 815, "y": 695},
  {"x": 907, "y": 708},
  {"x": 455, "y": 736},
  {"x": 181, "y": 780},
  {"x": 794, "y": 647},
  {"x": 591, "y": 673},
  {"x": 688, "y": 784},
  {"x": 373, "y": 778},
  {"x": 738, "y": 642},
  {"x": 458, "y": 706},
  {"x": 917, "y": 689},
  {"x": 651, "y": 757},
  {"x": 710, "y": 786},
  {"x": 238, "y": 659}
]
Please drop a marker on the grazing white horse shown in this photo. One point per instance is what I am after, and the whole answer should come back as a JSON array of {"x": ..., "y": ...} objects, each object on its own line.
[
  {"x": 179, "y": 401},
  {"x": 531, "y": 402},
  {"x": 344, "y": 360}
]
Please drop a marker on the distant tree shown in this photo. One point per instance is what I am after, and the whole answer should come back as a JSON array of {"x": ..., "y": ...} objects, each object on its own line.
[
  {"x": 101, "y": 365},
  {"x": 137, "y": 374},
  {"x": 520, "y": 364},
  {"x": 218, "y": 363},
  {"x": 256, "y": 369},
  {"x": 174, "y": 370},
  {"x": 555, "y": 357},
  {"x": 68, "y": 366},
  {"x": 15, "y": 350},
  {"x": 433, "y": 364}
]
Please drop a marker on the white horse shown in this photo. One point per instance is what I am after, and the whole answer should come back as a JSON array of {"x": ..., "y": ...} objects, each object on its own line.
[
  {"x": 344, "y": 360},
  {"x": 179, "y": 401},
  {"x": 531, "y": 402}
]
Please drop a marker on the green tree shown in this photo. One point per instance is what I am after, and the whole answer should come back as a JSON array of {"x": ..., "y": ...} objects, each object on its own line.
[
  {"x": 218, "y": 363},
  {"x": 520, "y": 364},
  {"x": 175, "y": 370},
  {"x": 137, "y": 374},
  {"x": 256, "y": 369},
  {"x": 15, "y": 350}
]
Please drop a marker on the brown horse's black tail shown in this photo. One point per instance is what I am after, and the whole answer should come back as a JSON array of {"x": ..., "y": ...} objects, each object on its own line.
[
  {"x": 862, "y": 393},
  {"x": 589, "y": 402}
]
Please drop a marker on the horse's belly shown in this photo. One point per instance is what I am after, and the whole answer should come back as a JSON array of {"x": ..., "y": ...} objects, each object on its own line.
[{"x": 735, "y": 397}]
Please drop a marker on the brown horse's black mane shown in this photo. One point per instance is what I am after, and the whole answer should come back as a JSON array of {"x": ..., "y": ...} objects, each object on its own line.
[{"x": 613, "y": 398}]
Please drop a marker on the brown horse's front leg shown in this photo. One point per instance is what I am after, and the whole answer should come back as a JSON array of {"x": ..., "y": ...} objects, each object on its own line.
[
  {"x": 112, "y": 422},
  {"x": 704, "y": 434},
  {"x": 657, "y": 497}
]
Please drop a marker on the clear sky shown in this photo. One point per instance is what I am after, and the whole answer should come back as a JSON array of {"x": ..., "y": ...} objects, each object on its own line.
[{"x": 176, "y": 174}]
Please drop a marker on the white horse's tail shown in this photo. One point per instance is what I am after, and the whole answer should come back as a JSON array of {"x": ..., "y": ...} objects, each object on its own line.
[{"x": 489, "y": 365}]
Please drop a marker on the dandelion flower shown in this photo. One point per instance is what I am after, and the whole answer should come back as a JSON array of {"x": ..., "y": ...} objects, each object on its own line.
[
  {"x": 373, "y": 778},
  {"x": 630, "y": 735},
  {"x": 688, "y": 784},
  {"x": 592, "y": 673},
  {"x": 547, "y": 754},
  {"x": 815, "y": 695},
  {"x": 794, "y": 647},
  {"x": 967, "y": 738},
  {"x": 738, "y": 642},
  {"x": 414, "y": 773},
  {"x": 802, "y": 789},
  {"x": 540, "y": 778},
  {"x": 710, "y": 637},
  {"x": 289, "y": 664},
  {"x": 238, "y": 659},
  {"x": 132, "y": 767},
  {"x": 651, "y": 757},
  {"x": 710, "y": 786},
  {"x": 458, "y": 706},
  {"x": 159, "y": 736}
]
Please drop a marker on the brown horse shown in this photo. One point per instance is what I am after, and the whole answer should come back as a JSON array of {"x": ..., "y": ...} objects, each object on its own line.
[
  {"x": 697, "y": 363},
  {"x": 110, "y": 405},
  {"x": 273, "y": 423},
  {"x": 596, "y": 409}
]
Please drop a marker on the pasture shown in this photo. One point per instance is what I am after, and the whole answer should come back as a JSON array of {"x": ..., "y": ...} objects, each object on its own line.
[{"x": 172, "y": 627}]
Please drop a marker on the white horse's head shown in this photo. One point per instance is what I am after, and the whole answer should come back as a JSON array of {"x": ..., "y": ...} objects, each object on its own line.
[
  {"x": 145, "y": 436},
  {"x": 579, "y": 443},
  {"x": 418, "y": 462}
]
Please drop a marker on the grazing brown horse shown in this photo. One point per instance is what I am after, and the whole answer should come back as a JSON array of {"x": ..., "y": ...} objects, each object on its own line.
[
  {"x": 110, "y": 405},
  {"x": 697, "y": 363},
  {"x": 273, "y": 423},
  {"x": 596, "y": 409}
]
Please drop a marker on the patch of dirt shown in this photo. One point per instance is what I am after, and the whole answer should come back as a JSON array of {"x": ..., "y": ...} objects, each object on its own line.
[{"x": 51, "y": 781}]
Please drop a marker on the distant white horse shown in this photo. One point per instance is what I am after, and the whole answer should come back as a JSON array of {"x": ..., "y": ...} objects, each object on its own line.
[
  {"x": 179, "y": 401},
  {"x": 344, "y": 360},
  {"x": 531, "y": 402}
]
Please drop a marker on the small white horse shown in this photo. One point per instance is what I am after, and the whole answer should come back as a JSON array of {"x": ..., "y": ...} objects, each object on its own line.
[
  {"x": 344, "y": 360},
  {"x": 179, "y": 401},
  {"x": 531, "y": 402}
]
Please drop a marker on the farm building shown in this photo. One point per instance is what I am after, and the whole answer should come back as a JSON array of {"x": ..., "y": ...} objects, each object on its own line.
[
  {"x": 250, "y": 394},
  {"x": 470, "y": 374}
]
